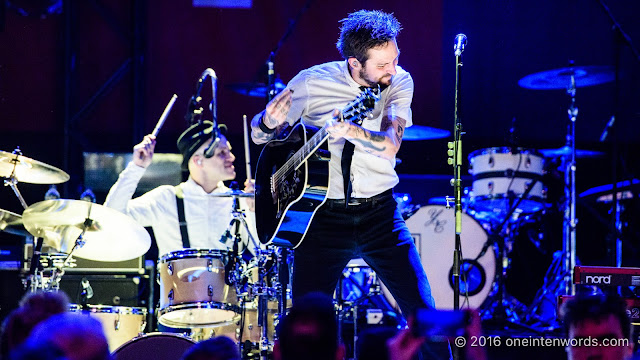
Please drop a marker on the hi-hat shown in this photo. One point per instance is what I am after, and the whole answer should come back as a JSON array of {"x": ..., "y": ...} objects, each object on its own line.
[
  {"x": 559, "y": 79},
  {"x": 30, "y": 171},
  {"x": 109, "y": 234},
  {"x": 566, "y": 151},
  {"x": 421, "y": 132},
  {"x": 12, "y": 223},
  {"x": 255, "y": 89},
  {"x": 231, "y": 193}
]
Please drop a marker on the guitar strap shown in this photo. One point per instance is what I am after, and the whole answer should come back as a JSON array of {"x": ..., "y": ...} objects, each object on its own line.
[
  {"x": 181, "y": 218},
  {"x": 345, "y": 164}
]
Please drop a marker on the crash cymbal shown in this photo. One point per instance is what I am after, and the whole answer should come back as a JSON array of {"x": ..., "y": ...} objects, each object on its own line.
[
  {"x": 558, "y": 79},
  {"x": 604, "y": 193},
  {"x": 110, "y": 235},
  {"x": 255, "y": 89},
  {"x": 421, "y": 132},
  {"x": 566, "y": 151},
  {"x": 12, "y": 223},
  {"x": 236, "y": 193},
  {"x": 30, "y": 171}
]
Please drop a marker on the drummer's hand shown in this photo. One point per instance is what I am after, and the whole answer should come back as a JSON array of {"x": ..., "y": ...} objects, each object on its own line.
[
  {"x": 250, "y": 187},
  {"x": 143, "y": 152}
]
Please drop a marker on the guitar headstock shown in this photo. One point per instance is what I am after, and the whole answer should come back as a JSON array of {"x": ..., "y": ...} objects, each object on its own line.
[{"x": 361, "y": 107}]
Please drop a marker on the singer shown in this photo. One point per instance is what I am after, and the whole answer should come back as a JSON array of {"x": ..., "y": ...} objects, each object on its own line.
[
  {"x": 360, "y": 217},
  {"x": 207, "y": 214}
]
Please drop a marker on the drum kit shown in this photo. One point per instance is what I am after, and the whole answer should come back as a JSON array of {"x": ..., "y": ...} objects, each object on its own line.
[{"x": 205, "y": 291}]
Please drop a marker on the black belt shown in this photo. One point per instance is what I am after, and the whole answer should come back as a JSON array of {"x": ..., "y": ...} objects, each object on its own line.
[{"x": 360, "y": 201}]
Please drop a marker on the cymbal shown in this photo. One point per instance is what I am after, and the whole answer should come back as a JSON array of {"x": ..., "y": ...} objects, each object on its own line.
[
  {"x": 255, "y": 89},
  {"x": 12, "y": 223},
  {"x": 30, "y": 171},
  {"x": 421, "y": 132},
  {"x": 236, "y": 193},
  {"x": 110, "y": 235},
  {"x": 558, "y": 79},
  {"x": 566, "y": 151},
  {"x": 604, "y": 193}
]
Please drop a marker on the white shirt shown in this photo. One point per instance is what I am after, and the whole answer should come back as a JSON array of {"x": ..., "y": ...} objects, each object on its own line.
[
  {"x": 325, "y": 87},
  {"x": 208, "y": 216}
]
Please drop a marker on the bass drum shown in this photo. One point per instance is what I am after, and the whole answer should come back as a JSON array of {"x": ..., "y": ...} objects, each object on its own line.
[
  {"x": 154, "y": 346},
  {"x": 433, "y": 230}
]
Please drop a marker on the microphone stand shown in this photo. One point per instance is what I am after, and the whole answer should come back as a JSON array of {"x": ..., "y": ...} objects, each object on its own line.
[{"x": 455, "y": 159}]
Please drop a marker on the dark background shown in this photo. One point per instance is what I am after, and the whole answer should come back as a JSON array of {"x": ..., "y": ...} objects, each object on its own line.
[{"x": 94, "y": 76}]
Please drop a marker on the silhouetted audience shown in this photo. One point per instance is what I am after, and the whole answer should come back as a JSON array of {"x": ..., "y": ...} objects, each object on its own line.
[
  {"x": 309, "y": 331},
  {"x": 34, "y": 308},
  {"x": 217, "y": 348},
  {"x": 598, "y": 327},
  {"x": 79, "y": 337}
]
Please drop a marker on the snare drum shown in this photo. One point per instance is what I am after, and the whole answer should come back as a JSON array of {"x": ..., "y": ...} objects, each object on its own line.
[
  {"x": 154, "y": 346},
  {"x": 502, "y": 175},
  {"x": 120, "y": 323},
  {"x": 193, "y": 292},
  {"x": 433, "y": 229}
]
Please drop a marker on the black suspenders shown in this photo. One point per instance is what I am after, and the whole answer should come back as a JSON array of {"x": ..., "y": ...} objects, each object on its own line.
[{"x": 181, "y": 218}]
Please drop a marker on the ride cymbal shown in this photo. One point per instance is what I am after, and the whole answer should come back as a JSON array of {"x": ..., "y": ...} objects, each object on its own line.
[
  {"x": 558, "y": 79},
  {"x": 421, "y": 132},
  {"x": 109, "y": 235},
  {"x": 566, "y": 151}
]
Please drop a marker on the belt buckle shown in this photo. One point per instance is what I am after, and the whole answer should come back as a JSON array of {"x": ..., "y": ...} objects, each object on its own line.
[{"x": 353, "y": 202}]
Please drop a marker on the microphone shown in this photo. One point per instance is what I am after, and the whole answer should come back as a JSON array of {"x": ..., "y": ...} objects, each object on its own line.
[
  {"x": 603, "y": 137},
  {"x": 215, "y": 134},
  {"x": 461, "y": 42}
]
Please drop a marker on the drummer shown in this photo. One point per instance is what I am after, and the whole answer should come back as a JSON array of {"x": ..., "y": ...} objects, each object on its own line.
[{"x": 207, "y": 212}]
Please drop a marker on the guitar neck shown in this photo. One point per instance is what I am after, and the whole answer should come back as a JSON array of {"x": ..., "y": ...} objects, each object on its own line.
[{"x": 307, "y": 149}]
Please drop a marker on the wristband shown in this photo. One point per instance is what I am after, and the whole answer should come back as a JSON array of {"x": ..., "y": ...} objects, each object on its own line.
[{"x": 264, "y": 127}]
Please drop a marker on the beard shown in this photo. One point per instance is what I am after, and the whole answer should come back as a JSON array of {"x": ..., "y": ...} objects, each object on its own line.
[{"x": 384, "y": 81}]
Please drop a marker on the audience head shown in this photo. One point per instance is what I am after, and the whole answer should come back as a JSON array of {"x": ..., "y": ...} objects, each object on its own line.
[
  {"x": 34, "y": 308},
  {"x": 218, "y": 348},
  {"x": 309, "y": 331},
  {"x": 598, "y": 327},
  {"x": 80, "y": 337},
  {"x": 372, "y": 343}
]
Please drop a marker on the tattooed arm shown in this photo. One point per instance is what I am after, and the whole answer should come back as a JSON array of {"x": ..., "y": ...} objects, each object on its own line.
[
  {"x": 274, "y": 117},
  {"x": 384, "y": 143}
]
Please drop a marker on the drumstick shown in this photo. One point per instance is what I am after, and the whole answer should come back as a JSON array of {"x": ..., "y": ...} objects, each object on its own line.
[
  {"x": 247, "y": 160},
  {"x": 164, "y": 115}
]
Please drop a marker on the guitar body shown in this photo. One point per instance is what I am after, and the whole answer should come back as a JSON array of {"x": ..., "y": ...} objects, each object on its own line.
[{"x": 285, "y": 207}]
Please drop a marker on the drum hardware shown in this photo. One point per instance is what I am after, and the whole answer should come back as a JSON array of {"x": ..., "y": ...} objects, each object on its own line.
[
  {"x": 558, "y": 280},
  {"x": 505, "y": 310}
]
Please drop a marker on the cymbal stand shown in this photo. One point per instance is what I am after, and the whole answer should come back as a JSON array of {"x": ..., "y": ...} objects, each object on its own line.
[
  {"x": 570, "y": 221},
  {"x": 58, "y": 272},
  {"x": 12, "y": 181},
  {"x": 558, "y": 280}
]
